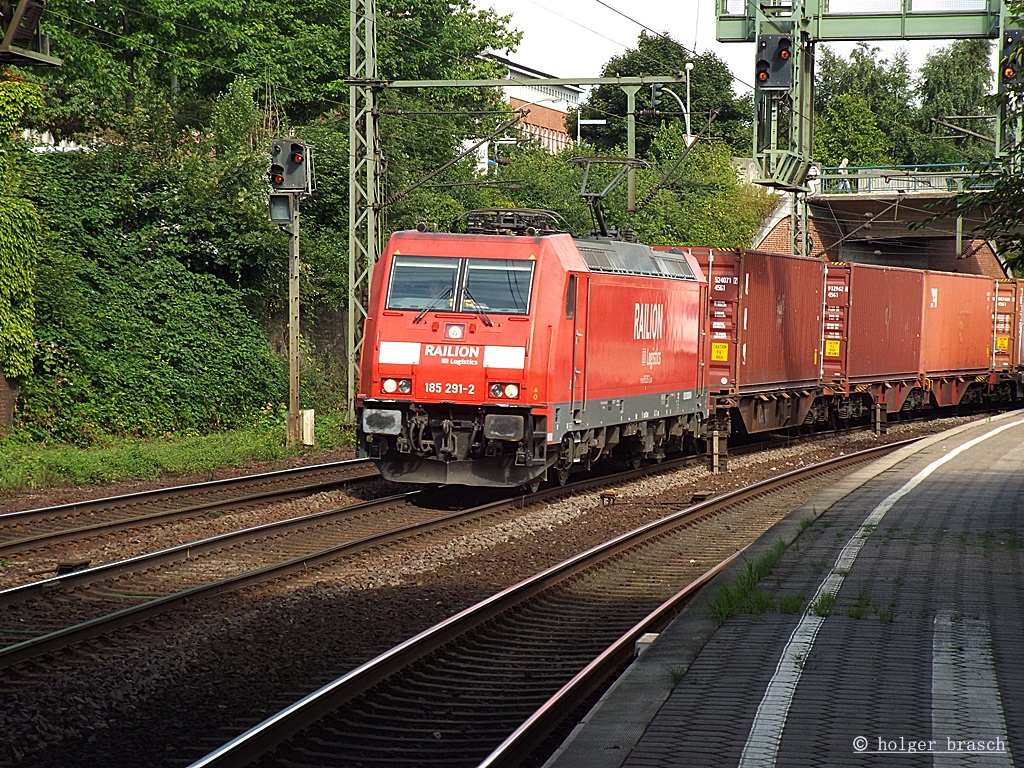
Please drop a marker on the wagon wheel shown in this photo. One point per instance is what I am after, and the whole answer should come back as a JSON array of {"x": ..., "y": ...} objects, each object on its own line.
[
  {"x": 636, "y": 461},
  {"x": 533, "y": 486},
  {"x": 562, "y": 473}
]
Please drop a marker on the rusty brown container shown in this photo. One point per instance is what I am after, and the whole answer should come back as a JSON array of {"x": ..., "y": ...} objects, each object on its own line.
[
  {"x": 1006, "y": 333},
  {"x": 885, "y": 317},
  {"x": 957, "y": 331},
  {"x": 764, "y": 320},
  {"x": 779, "y": 321}
]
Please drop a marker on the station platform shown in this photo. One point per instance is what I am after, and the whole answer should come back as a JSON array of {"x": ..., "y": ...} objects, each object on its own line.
[{"x": 890, "y": 632}]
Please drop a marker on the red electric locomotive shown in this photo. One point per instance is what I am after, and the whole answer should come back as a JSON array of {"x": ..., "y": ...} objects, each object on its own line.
[{"x": 492, "y": 357}]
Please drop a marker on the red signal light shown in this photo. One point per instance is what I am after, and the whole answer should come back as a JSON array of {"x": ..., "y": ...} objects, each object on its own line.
[{"x": 1011, "y": 58}]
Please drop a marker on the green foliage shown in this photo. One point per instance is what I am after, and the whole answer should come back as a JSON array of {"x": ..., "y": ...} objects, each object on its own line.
[
  {"x": 864, "y": 108},
  {"x": 17, "y": 97},
  {"x": 143, "y": 280},
  {"x": 955, "y": 80},
  {"x": 19, "y": 239},
  {"x": 701, "y": 201},
  {"x": 25, "y": 463},
  {"x": 710, "y": 90},
  {"x": 847, "y": 129},
  {"x": 151, "y": 348},
  {"x": 705, "y": 203}
]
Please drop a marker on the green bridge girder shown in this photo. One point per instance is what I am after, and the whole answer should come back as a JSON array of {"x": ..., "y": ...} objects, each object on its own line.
[
  {"x": 784, "y": 122},
  {"x": 825, "y": 20}
]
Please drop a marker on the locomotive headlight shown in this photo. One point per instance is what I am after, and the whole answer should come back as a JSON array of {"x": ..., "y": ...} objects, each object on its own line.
[
  {"x": 511, "y": 391},
  {"x": 404, "y": 386},
  {"x": 496, "y": 390},
  {"x": 390, "y": 386}
]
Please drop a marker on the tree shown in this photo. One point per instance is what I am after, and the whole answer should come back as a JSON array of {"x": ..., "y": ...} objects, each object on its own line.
[
  {"x": 847, "y": 128},
  {"x": 955, "y": 80},
  {"x": 711, "y": 88},
  {"x": 867, "y": 101}
]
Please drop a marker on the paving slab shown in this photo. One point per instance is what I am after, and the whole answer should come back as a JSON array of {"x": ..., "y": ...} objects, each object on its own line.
[{"x": 902, "y": 647}]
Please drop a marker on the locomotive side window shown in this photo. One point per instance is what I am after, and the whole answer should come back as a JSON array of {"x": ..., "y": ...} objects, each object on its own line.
[
  {"x": 419, "y": 282},
  {"x": 570, "y": 298},
  {"x": 497, "y": 285}
]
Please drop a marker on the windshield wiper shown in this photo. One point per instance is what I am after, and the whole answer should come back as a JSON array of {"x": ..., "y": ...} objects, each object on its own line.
[
  {"x": 479, "y": 309},
  {"x": 434, "y": 303}
]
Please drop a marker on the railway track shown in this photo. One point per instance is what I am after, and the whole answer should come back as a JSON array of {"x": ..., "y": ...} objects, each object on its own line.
[
  {"x": 48, "y": 615},
  {"x": 36, "y": 529},
  {"x": 491, "y": 682}
]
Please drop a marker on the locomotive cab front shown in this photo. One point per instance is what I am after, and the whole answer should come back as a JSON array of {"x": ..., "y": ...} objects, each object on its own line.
[{"x": 446, "y": 390}]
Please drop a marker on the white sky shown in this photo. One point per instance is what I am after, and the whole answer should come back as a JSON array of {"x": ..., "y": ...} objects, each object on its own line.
[{"x": 575, "y": 38}]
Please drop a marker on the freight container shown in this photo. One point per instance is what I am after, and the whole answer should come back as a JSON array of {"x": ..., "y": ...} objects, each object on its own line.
[
  {"x": 957, "y": 334},
  {"x": 762, "y": 350},
  {"x": 872, "y": 330},
  {"x": 765, "y": 320},
  {"x": 958, "y": 324},
  {"x": 1006, "y": 329}
]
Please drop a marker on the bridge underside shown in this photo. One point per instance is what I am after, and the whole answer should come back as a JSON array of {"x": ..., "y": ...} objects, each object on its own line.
[{"x": 882, "y": 222}]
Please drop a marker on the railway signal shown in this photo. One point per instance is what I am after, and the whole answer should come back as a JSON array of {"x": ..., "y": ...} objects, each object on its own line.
[
  {"x": 657, "y": 93},
  {"x": 290, "y": 177},
  {"x": 774, "y": 69},
  {"x": 1011, "y": 60},
  {"x": 289, "y": 166}
]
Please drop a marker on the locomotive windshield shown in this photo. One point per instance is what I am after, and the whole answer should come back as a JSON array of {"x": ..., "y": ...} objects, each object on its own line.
[
  {"x": 477, "y": 285},
  {"x": 497, "y": 285},
  {"x": 417, "y": 282}
]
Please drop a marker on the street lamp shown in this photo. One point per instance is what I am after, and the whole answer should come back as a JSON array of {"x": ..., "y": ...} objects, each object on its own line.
[{"x": 689, "y": 67}]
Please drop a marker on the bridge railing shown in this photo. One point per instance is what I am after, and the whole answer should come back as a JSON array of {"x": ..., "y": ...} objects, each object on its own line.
[{"x": 871, "y": 179}]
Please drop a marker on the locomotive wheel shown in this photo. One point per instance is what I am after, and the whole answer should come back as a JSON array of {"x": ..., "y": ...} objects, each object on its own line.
[
  {"x": 533, "y": 486},
  {"x": 562, "y": 474}
]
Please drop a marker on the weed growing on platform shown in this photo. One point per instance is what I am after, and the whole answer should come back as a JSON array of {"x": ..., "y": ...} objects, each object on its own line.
[
  {"x": 887, "y": 614},
  {"x": 792, "y": 603},
  {"x": 860, "y": 605},
  {"x": 677, "y": 672},
  {"x": 823, "y": 605},
  {"x": 731, "y": 599}
]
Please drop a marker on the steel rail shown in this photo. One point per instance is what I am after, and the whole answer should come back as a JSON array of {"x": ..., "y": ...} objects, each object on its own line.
[
  {"x": 266, "y": 736},
  {"x": 52, "y": 641},
  {"x": 14, "y": 520},
  {"x": 522, "y": 742}
]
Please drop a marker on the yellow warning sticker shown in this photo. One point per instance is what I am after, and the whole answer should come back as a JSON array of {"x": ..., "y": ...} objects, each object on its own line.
[
  {"x": 719, "y": 351},
  {"x": 1002, "y": 343},
  {"x": 832, "y": 347}
]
